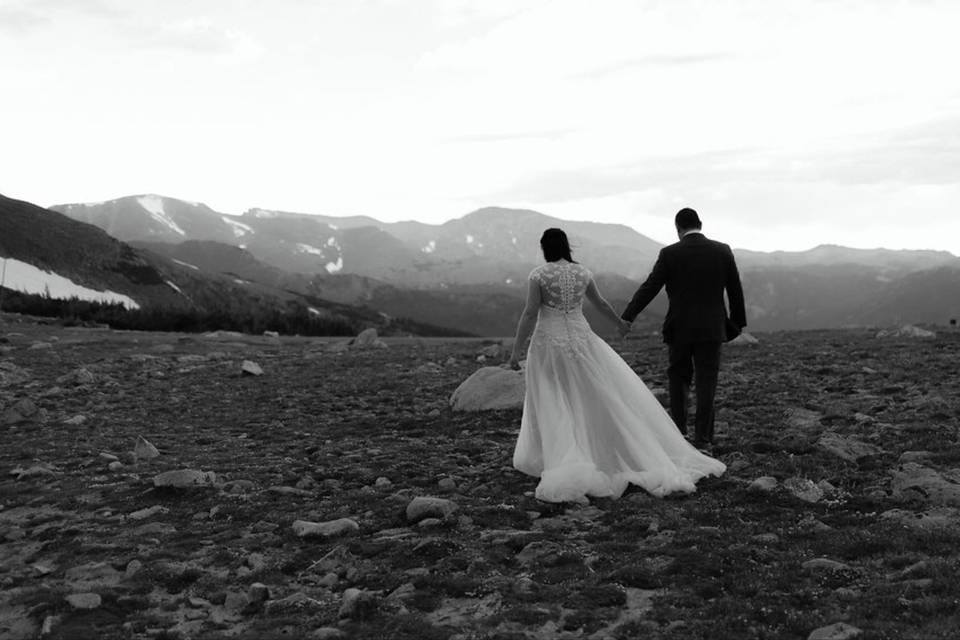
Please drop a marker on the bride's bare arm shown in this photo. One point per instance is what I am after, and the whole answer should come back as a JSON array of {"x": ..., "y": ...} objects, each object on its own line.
[
  {"x": 527, "y": 322},
  {"x": 594, "y": 296}
]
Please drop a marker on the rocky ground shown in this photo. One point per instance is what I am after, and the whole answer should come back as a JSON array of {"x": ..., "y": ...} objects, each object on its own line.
[{"x": 297, "y": 504}]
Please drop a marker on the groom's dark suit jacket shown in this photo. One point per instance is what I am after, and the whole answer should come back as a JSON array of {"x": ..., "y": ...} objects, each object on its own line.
[{"x": 696, "y": 271}]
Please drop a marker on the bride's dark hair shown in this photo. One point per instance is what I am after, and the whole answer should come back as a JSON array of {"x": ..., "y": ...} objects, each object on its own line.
[{"x": 555, "y": 246}]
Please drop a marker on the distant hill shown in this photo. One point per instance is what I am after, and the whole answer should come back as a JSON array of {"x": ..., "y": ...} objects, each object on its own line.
[
  {"x": 49, "y": 246},
  {"x": 469, "y": 273},
  {"x": 491, "y": 245}
]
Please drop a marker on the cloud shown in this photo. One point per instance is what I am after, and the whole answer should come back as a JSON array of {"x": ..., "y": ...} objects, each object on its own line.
[
  {"x": 19, "y": 20},
  {"x": 657, "y": 60},
  {"x": 664, "y": 173},
  {"x": 24, "y": 16},
  {"x": 552, "y": 134},
  {"x": 200, "y": 35}
]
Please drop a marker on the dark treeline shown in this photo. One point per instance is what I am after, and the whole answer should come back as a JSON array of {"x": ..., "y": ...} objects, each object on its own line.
[{"x": 292, "y": 319}]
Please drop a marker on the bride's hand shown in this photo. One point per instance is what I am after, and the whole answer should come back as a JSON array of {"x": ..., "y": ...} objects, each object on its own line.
[
  {"x": 623, "y": 327},
  {"x": 514, "y": 363}
]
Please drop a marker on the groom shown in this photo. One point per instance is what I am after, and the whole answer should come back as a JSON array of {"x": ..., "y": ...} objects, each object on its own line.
[{"x": 696, "y": 272}]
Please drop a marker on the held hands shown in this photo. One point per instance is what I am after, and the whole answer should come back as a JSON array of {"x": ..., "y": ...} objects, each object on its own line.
[{"x": 623, "y": 327}]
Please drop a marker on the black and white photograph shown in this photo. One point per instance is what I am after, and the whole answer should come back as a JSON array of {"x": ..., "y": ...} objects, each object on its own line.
[{"x": 479, "y": 320}]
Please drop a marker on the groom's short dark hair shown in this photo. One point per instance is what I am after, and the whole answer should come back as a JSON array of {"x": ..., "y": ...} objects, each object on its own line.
[{"x": 687, "y": 218}]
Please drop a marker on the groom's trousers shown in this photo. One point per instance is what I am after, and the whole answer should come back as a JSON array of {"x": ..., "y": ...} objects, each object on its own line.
[{"x": 699, "y": 363}]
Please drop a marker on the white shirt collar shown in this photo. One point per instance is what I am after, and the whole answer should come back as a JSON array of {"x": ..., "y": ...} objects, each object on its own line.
[{"x": 689, "y": 231}]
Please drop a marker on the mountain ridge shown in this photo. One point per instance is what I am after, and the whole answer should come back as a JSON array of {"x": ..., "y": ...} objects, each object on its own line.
[{"x": 410, "y": 267}]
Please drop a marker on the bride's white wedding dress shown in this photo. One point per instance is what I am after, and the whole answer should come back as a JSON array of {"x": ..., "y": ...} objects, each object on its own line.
[{"x": 590, "y": 425}]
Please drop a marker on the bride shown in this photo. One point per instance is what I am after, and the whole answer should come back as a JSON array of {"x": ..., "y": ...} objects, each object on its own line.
[{"x": 590, "y": 425}]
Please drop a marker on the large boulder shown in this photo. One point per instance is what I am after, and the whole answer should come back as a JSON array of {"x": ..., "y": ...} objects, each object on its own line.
[
  {"x": 847, "y": 448},
  {"x": 906, "y": 331},
  {"x": 911, "y": 480},
  {"x": 490, "y": 388},
  {"x": 368, "y": 338},
  {"x": 743, "y": 339}
]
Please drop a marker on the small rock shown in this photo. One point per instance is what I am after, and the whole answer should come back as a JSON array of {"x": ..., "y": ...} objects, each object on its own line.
[
  {"x": 824, "y": 564},
  {"x": 183, "y": 478},
  {"x": 49, "y": 622},
  {"x": 154, "y": 529},
  {"x": 764, "y": 483},
  {"x": 333, "y": 528},
  {"x": 148, "y": 512},
  {"x": 25, "y": 408},
  {"x": 75, "y": 421},
  {"x": 383, "y": 483},
  {"x": 914, "y": 456},
  {"x": 492, "y": 351},
  {"x": 430, "y": 523},
  {"x": 133, "y": 567},
  {"x": 258, "y": 592},
  {"x": 327, "y": 633},
  {"x": 766, "y": 538},
  {"x": 109, "y": 457},
  {"x": 84, "y": 600},
  {"x": 236, "y": 601},
  {"x": 429, "y": 507},
  {"x": 144, "y": 450},
  {"x": 92, "y": 575},
  {"x": 256, "y": 561},
  {"x": 329, "y": 580},
  {"x": 357, "y": 604},
  {"x": 116, "y": 465},
  {"x": 847, "y": 448},
  {"x": 447, "y": 484},
  {"x": 803, "y": 489},
  {"x": 837, "y": 631},
  {"x": 250, "y": 368}
]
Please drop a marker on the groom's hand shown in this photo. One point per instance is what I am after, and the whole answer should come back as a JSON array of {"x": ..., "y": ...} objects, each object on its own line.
[{"x": 624, "y": 327}]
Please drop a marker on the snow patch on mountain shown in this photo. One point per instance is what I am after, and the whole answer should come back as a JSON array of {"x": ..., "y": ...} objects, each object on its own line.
[
  {"x": 431, "y": 247},
  {"x": 173, "y": 286},
  {"x": 469, "y": 238},
  {"x": 154, "y": 206},
  {"x": 334, "y": 267},
  {"x": 239, "y": 229},
  {"x": 306, "y": 248},
  {"x": 263, "y": 213},
  {"x": 20, "y": 276},
  {"x": 332, "y": 242},
  {"x": 186, "y": 264}
]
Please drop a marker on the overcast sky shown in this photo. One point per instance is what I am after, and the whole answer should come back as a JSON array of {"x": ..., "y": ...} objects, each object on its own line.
[{"x": 787, "y": 124}]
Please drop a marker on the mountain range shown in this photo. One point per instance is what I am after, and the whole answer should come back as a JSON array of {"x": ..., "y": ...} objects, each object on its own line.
[
  {"x": 43, "y": 248},
  {"x": 470, "y": 273}
]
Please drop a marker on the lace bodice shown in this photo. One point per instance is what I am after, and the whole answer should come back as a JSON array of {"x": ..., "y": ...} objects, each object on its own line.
[{"x": 562, "y": 284}]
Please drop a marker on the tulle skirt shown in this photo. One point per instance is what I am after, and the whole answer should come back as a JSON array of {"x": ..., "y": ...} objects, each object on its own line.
[{"x": 591, "y": 426}]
